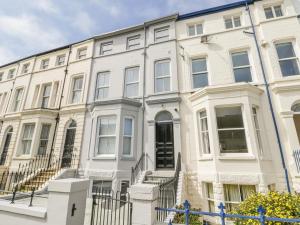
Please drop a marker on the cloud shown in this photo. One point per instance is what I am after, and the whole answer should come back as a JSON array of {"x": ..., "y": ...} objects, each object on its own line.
[
  {"x": 45, "y": 6},
  {"x": 6, "y": 55},
  {"x": 83, "y": 22}
]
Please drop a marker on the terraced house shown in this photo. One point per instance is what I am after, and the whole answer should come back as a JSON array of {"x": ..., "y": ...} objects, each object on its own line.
[{"x": 210, "y": 98}]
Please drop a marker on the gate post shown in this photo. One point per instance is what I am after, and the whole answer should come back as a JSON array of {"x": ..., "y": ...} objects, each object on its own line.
[{"x": 144, "y": 200}]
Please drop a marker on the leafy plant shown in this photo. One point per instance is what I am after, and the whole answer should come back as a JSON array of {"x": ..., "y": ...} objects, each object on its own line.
[
  {"x": 193, "y": 219},
  {"x": 281, "y": 205}
]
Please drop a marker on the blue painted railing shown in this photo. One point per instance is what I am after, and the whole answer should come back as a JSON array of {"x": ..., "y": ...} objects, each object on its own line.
[{"x": 261, "y": 211}]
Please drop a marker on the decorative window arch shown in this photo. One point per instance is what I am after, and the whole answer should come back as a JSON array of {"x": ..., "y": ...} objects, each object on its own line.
[
  {"x": 163, "y": 116},
  {"x": 296, "y": 107},
  {"x": 72, "y": 124}
]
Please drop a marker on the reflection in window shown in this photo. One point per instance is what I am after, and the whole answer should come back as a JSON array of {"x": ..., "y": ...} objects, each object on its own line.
[{"x": 241, "y": 67}]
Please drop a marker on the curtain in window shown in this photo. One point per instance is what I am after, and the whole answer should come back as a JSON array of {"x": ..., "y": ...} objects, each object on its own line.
[
  {"x": 107, "y": 139},
  {"x": 127, "y": 139},
  {"x": 27, "y": 138}
]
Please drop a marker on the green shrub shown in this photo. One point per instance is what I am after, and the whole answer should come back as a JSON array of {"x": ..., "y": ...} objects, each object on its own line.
[
  {"x": 281, "y": 205},
  {"x": 193, "y": 219}
]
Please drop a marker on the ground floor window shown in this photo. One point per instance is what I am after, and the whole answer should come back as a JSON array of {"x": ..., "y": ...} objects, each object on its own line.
[
  {"x": 102, "y": 186},
  {"x": 234, "y": 194},
  {"x": 210, "y": 196}
]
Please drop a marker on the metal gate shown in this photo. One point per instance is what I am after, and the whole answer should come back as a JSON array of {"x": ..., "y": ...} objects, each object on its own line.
[{"x": 111, "y": 209}]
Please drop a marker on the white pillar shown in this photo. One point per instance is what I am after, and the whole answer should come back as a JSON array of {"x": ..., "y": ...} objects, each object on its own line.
[
  {"x": 67, "y": 201},
  {"x": 144, "y": 200}
]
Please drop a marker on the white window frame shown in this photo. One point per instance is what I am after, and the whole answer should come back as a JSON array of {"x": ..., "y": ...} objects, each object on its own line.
[
  {"x": 202, "y": 73},
  {"x": 98, "y": 136},
  {"x": 1, "y": 76},
  {"x": 106, "y": 51},
  {"x": 106, "y": 86},
  {"x": 208, "y": 198},
  {"x": 45, "y": 97},
  {"x": 128, "y": 136},
  {"x": 44, "y": 139},
  {"x": 162, "y": 77},
  {"x": 272, "y": 7},
  {"x": 80, "y": 51},
  {"x": 25, "y": 68},
  {"x": 158, "y": 38},
  {"x": 58, "y": 60},
  {"x": 73, "y": 91},
  {"x": 241, "y": 67},
  {"x": 257, "y": 128},
  {"x": 135, "y": 45},
  {"x": 202, "y": 133},
  {"x": 289, "y": 58},
  {"x": 233, "y": 23},
  {"x": 11, "y": 73},
  {"x": 23, "y": 152},
  {"x": 18, "y": 95},
  {"x": 194, "y": 26},
  {"x": 45, "y": 64},
  {"x": 131, "y": 83}
]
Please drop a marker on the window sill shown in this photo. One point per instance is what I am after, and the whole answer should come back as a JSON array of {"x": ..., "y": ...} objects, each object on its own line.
[
  {"x": 104, "y": 157},
  {"x": 22, "y": 157},
  {"x": 127, "y": 158},
  {"x": 206, "y": 158},
  {"x": 236, "y": 156}
]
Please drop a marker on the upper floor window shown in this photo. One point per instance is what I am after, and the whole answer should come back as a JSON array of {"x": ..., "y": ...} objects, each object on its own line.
[
  {"x": 60, "y": 60},
  {"x": 45, "y": 64},
  {"x": 132, "y": 82},
  {"x": 25, "y": 68},
  {"x": 241, "y": 67},
  {"x": 195, "y": 29},
  {"x": 27, "y": 138},
  {"x": 287, "y": 59},
  {"x": 199, "y": 73},
  {"x": 106, "y": 48},
  {"x": 106, "y": 135},
  {"x": 81, "y": 53},
  {"x": 128, "y": 137},
  {"x": 204, "y": 134},
  {"x": 44, "y": 138},
  {"x": 273, "y": 11},
  {"x": 2, "y": 102},
  {"x": 231, "y": 130},
  {"x": 17, "y": 99},
  {"x": 76, "y": 89},
  {"x": 161, "y": 34},
  {"x": 133, "y": 42},
  {"x": 232, "y": 21},
  {"x": 102, "y": 85},
  {"x": 11, "y": 73},
  {"x": 162, "y": 76},
  {"x": 1, "y": 76},
  {"x": 234, "y": 194},
  {"x": 46, "y": 96}
]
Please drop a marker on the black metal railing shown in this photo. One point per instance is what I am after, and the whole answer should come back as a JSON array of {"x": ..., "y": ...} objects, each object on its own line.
[
  {"x": 138, "y": 168},
  {"x": 168, "y": 192},
  {"x": 296, "y": 154},
  {"x": 34, "y": 174},
  {"x": 4, "y": 158},
  {"x": 109, "y": 208}
]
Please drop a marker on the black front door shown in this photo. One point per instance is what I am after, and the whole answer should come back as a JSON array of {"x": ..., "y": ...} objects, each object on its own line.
[
  {"x": 68, "y": 147},
  {"x": 164, "y": 146},
  {"x": 5, "y": 149}
]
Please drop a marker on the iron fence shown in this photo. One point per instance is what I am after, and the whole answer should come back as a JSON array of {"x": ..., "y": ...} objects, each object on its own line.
[
  {"x": 111, "y": 209},
  {"x": 261, "y": 218},
  {"x": 138, "y": 168}
]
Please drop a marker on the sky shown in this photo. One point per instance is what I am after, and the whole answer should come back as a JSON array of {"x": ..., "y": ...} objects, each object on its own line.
[{"x": 31, "y": 26}]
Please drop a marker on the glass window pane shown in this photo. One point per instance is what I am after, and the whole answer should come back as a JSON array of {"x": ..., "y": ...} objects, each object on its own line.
[
  {"x": 285, "y": 50},
  {"x": 191, "y": 30},
  {"x": 126, "y": 145},
  {"x": 199, "y": 65},
  {"x": 289, "y": 67},
  {"x": 200, "y": 80},
  {"x": 162, "y": 69},
  {"x": 232, "y": 141},
  {"x": 232, "y": 193},
  {"x": 132, "y": 90},
  {"x": 278, "y": 11},
  {"x": 128, "y": 127},
  {"x": 237, "y": 21},
  {"x": 246, "y": 191},
  {"x": 230, "y": 117},
  {"x": 199, "y": 29},
  {"x": 240, "y": 59},
  {"x": 228, "y": 23},
  {"x": 242, "y": 75},
  {"x": 45, "y": 131},
  {"x": 107, "y": 145},
  {"x": 269, "y": 13}
]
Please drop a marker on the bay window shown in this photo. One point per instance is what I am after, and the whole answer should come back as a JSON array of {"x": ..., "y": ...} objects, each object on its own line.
[
  {"x": 204, "y": 134},
  {"x": 231, "y": 130},
  {"x": 44, "y": 138},
  {"x": 106, "y": 135},
  {"x": 210, "y": 196},
  {"x": 162, "y": 76},
  {"x": 257, "y": 128},
  {"x": 27, "y": 138},
  {"x": 128, "y": 137}
]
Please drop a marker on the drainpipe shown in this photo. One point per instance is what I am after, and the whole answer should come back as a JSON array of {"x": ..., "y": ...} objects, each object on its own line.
[
  {"x": 143, "y": 96},
  {"x": 59, "y": 106},
  {"x": 269, "y": 99}
]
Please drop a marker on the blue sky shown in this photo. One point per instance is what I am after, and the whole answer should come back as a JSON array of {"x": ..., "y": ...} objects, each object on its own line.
[{"x": 31, "y": 26}]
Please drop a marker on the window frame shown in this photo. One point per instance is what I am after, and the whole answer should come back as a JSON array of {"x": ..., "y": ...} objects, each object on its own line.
[
  {"x": 11, "y": 73},
  {"x": 43, "y": 97},
  {"x": 44, "y": 64},
  {"x": 162, "y": 77},
  {"x": 195, "y": 29},
  {"x": 133, "y": 46},
  {"x": 1, "y": 76},
  {"x": 258, "y": 132},
  {"x": 126, "y": 84},
  {"x": 23, "y": 152},
  {"x": 204, "y": 151},
  {"x": 161, "y": 38},
  {"x": 207, "y": 195},
  {"x": 274, "y": 14},
  {"x": 107, "y": 86},
  {"x": 79, "y": 51},
  {"x": 104, "y": 44},
  {"x": 99, "y": 136},
  {"x": 58, "y": 62},
  {"x": 199, "y": 73},
  {"x": 128, "y": 136},
  {"x": 44, "y": 139},
  {"x": 17, "y": 101},
  {"x": 25, "y": 68},
  {"x": 233, "y": 22},
  {"x": 102, "y": 182},
  {"x": 241, "y": 67},
  {"x": 74, "y": 78}
]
